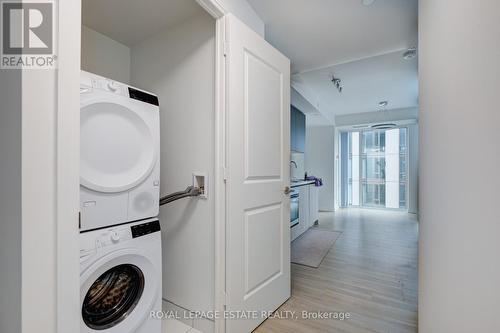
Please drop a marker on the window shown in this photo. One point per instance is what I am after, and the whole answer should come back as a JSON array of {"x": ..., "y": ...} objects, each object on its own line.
[{"x": 377, "y": 168}]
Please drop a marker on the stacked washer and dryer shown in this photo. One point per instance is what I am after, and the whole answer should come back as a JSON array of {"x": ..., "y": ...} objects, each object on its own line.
[{"x": 120, "y": 239}]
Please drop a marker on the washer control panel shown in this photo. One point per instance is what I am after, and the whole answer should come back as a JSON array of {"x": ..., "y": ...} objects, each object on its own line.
[
  {"x": 92, "y": 241},
  {"x": 145, "y": 229},
  {"x": 97, "y": 239}
]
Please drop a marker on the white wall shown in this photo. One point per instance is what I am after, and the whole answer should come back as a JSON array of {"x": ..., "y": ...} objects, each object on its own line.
[
  {"x": 301, "y": 103},
  {"x": 320, "y": 162},
  {"x": 297, "y": 172},
  {"x": 49, "y": 255},
  {"x": 39, "y": 194},
  {"x": 459, "y": 71},
  {"x": 104, "y": 56},
  {"x": 242, "y": 10},
  {"x": 10, "y": 201},
  {"x": 299, "y": 86},
  {"x": 178, "y": 65},
  {"x": 27, "y": 201},
  {"x": 41, "y": 286}
]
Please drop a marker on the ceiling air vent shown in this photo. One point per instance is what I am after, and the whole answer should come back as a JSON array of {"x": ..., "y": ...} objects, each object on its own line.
[{"x": 384, "y": 126}]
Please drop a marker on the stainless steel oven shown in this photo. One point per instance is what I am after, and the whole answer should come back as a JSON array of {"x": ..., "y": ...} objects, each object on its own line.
[{"x": 294, "y": 208}]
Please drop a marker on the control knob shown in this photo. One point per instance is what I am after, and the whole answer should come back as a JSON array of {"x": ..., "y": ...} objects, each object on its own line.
[
  {"x": 115, "y": 237},
  {"x": 112, "y": 86}
]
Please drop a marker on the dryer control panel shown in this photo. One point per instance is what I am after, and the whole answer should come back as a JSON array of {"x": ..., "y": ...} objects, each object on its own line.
[{"x": 90, "y": 81}]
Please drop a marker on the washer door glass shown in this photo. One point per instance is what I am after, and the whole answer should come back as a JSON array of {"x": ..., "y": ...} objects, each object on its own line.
[
  {"x": 113, "y": 296},
  {"x": 117, "y": 148}
]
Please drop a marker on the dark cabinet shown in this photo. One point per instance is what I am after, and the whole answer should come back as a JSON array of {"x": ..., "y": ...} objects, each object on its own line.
[{"x": 297, "y": 130}]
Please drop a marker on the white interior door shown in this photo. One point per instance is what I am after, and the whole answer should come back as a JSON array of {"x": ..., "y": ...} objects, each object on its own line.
[{"x": 258, "y": 210}]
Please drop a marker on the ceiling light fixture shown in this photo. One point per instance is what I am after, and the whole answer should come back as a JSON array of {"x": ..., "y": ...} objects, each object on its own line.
[
  {"x": 410, "y": 53},
  {"x": 383, "y": 104},
  {"x": 367, "y": 2},
  {"x": 384, "y": 126},
  {"x": 337, "y": 83}
]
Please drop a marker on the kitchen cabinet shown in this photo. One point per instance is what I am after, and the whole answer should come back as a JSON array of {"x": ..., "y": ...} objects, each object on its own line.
[
  {"x": 304, "y": 214},
  {"x": 297, "y": 130},
  {"x": 313, "y": 204}
]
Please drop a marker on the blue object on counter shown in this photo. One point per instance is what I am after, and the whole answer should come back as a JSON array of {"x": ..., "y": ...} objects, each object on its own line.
[{"x": 317, "y": 181}]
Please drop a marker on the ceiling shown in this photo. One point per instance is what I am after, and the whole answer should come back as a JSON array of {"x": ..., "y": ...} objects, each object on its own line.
[
  {"x": 321, "y": 37},
  {"x": 319, "y": 33},
  {"x": 130, "y": 21},
  {"x": 362, "y": 45},
  {"x": 365, "y": 83}
]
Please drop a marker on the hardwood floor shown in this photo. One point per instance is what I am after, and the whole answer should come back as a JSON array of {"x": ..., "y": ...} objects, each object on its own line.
[{"x": 370, "y": 273}]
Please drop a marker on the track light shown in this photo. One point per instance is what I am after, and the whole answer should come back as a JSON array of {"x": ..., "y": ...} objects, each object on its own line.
[
  {"x": 367, "y": 2},
  {"x": 410, "y": 53},
  {"x": 337, "y": 83}
]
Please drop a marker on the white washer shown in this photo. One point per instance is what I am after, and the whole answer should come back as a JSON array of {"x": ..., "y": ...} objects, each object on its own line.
[
  {"x": 120, "y": 278},
  {"x": 119, "y": 154}
]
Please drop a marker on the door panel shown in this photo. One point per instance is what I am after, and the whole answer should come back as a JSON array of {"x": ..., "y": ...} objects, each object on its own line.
[
  {"x": 261, "y": 227},
  {"x": 258, "y": 210},
  {"x": 263, "y": 87}
]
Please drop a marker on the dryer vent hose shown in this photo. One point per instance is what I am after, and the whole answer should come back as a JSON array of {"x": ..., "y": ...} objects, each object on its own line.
[{"x": 190, "y": 191}]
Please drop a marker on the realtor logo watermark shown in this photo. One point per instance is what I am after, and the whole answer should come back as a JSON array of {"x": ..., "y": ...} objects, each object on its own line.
[{"x": 28, "y": 35}]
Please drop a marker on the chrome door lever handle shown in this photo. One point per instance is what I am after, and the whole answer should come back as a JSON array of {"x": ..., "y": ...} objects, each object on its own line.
[{"x": 287, "y": 190}]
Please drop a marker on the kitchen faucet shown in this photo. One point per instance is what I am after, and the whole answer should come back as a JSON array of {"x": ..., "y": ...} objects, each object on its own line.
[{"x": 291, "y": 173}]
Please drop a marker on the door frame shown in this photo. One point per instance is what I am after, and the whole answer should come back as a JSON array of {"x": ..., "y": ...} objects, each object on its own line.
[
  {"x": 214, "y": 8},
  {"x": 218, "y": 12},
  {"x": 66, "y": 170}
]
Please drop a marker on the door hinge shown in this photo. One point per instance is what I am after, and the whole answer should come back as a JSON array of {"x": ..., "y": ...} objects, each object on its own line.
[
  {"x": 225, "y": 174},
  {"x": 224, "y": 298}
]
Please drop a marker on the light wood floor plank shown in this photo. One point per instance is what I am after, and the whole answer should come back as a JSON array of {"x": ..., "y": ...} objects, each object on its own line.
[{"x": 370, "y": 272}]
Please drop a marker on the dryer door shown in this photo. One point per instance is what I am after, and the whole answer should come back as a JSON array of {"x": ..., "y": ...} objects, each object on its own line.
[
  {"x": 118, "y": 293},
  {"x": 117, "y": 144}
]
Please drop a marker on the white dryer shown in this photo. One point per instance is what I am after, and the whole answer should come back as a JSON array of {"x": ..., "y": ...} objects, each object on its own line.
[
  {"x": 119, "y": 154},
  {"x": 120, "y": 278}
]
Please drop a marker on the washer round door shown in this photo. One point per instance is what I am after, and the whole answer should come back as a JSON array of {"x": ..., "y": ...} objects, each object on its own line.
[
  {"x": 118, "y": 295},
  {"x": 117, "y": 146}
]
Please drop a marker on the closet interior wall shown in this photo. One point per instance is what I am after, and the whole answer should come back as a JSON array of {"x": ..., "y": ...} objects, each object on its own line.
[{"x": 177, "y": 64}]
